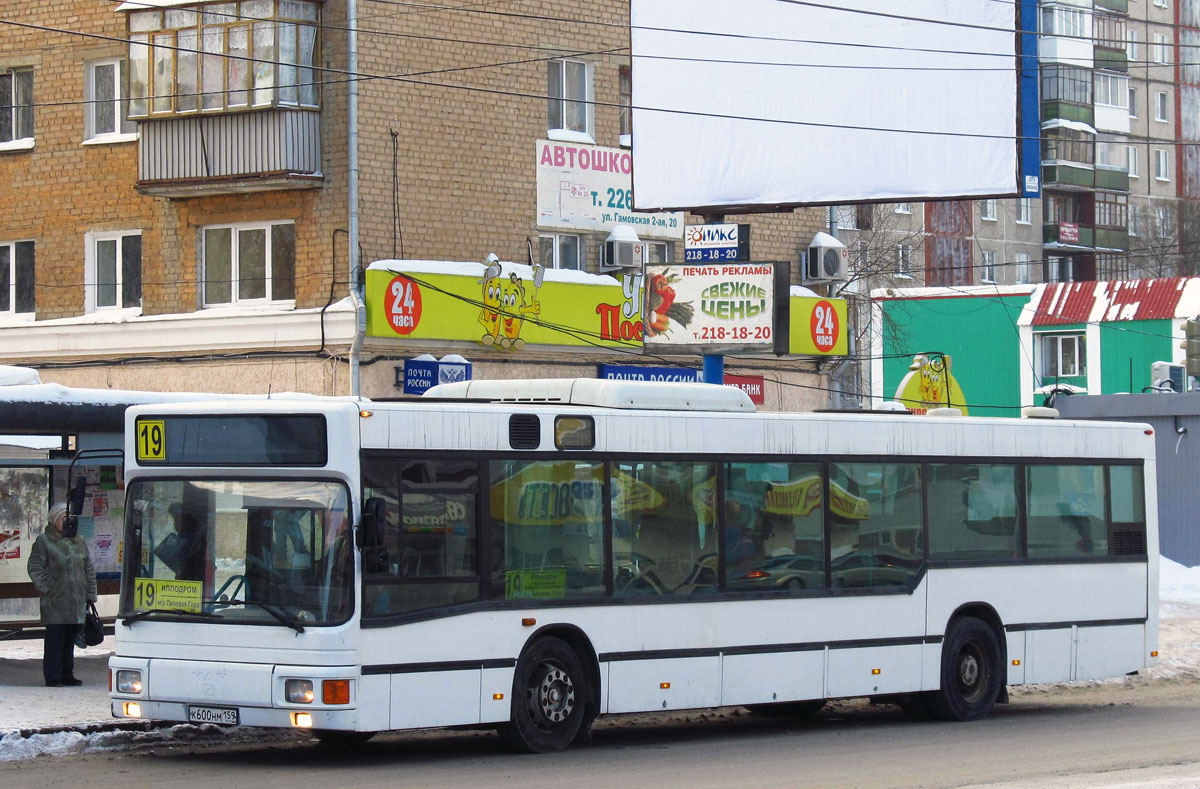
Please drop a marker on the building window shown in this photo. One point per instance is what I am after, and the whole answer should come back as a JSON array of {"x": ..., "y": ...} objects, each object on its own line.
[
  {"x": 249, "y": 263},
  {"x": 987, "y": 268},
  {"x": 106, "y": 105},
  {"x": 1070, "y": 145},
  {"x": 1112, "y": 90},
  {"x": 1070, "y": 22},
  {"x": 658, "y": 251},
  {"x": 113, "y": 270},
  {"x": 184, "y": 60},
  {"x": 1162, "y": 167},
  {"x": 1135, "y": 222},
  {"x": 904, "y": 260},
  {"x": 16, "y": 278},
  {"x": 987, "y": 210},
  {"x": 1060, "y": 269},
  {"x": 1110, "y": 31},
  {"x": 16, "y": 109},
  {"x": 561, "y": 250},
  {"x": 1131, "y": 45},
  {"x": 1161, "y": 3},
  {"x": 1063, "y": 355},
  {"x": 1164, "y": 221},
  {"x": 1024, "y": 211},
  {"x": 1158, "y": 51},
  {"x": 1160, "y": 106},
  {"x": 1067, "y": 83},
  {"x": 1112, "y": 266},
  {"x": 1021, "y": 261},
  {"x": 846, "y": 216},
  {"x": 903, "y": 208},
  {"x": 569, "y": 88},
  {"x": 625, "y": 99},
  {"x": 1112, "y": 210},
  {"x": 1133, "y": 103},
  {"x": 1131, "y": 152},
  {"x": 863, "y": 253}
]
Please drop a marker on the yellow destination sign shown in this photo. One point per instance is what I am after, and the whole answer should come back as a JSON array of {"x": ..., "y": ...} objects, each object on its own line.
[{"x": 162, "y": 593}]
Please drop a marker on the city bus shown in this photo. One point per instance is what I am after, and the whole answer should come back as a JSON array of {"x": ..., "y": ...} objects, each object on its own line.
[{"x": 530, "y": 555}]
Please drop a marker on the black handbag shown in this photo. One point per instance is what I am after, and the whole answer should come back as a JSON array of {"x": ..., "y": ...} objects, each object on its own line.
[{"x": 93, "y": 628}]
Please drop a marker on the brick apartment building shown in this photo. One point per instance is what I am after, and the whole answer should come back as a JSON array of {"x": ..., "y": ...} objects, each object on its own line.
[{"x": 175, "y": 210}]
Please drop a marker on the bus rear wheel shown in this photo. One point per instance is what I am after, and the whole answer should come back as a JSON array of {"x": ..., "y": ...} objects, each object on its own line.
[
  {"x": 971, "y": 672},
  {"x": 549, "y": 700}
]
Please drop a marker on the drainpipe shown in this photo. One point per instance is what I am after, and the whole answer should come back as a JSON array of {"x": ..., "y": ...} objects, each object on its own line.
[{"x": 360, "y": 310}]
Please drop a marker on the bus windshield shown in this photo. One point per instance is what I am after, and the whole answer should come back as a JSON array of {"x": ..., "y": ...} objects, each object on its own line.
[{"x": 255, "y": 552}]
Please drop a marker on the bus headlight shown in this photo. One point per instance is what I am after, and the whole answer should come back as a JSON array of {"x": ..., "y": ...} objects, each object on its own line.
[
  {"x": 298, "y": 691},
  {"x": 129, "y": 682}
]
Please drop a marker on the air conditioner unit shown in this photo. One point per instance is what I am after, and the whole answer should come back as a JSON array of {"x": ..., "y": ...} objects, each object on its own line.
[
  {"x": 827, "y": 260},
  {"x": 621, "y": 254},
  {"x": 1168, "y": 374}
]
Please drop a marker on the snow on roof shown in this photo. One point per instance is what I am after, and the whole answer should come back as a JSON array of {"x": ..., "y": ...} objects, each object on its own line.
[
  {"x": 472, "y": 269},
  {"x": 15, "y": 376},
  {"x": 1062, "y": 123},
  {"x": 1119, "y": 300},
  {"x": 141, "y": 5},
  {"x": 56, "y": 393},
  {"x": 802, "y": 292}
]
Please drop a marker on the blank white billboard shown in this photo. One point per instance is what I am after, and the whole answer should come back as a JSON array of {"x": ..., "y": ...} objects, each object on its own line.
[{"x": 780, "y": 102}]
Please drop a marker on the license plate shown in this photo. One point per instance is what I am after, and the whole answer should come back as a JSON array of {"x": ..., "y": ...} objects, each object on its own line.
[{"x": 226, "y": 716}]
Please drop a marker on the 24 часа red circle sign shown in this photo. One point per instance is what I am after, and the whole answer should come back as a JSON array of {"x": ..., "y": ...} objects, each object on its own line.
[
  {"x": 825, "y": 326},
  {"x": 403, "y": 305}
]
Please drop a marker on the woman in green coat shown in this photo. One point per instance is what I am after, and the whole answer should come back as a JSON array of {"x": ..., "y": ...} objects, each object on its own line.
[{"x": 63, "y": 574}]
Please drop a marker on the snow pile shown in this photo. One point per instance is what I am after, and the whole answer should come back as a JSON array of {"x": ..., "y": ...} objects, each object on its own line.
[
  {"x": 18, "y": 376},
  {"x": 1178, "y": 587},
  {"x": 14, "y": 748}
]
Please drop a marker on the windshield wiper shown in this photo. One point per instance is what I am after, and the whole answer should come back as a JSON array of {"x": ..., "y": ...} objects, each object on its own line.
[
  {"x": 140, "y": 615},
  {"x": 274, "y": 611}
]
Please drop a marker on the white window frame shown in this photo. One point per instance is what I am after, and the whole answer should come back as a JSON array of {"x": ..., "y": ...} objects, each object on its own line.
[
  {"x": 11, "y": 315},
  {"x": 1134, "y": 222},
  {"x": 1164, "y": 222},
  {"x": 1160, "y": 107},
  {"x": 1162, "y": 165},
  {"x": 1161, "y": 3},
  {"x": 1053, "y": 346},
  {"x": 1060, "y": 269},
  {"x": 234, "y": 266},
  {"x": 903, "y": 208},
  {"x": 91, "y": 276},
  {"x": 987, "y": 266},
  {"x": 1024, "y": 211},
  {"x": 1131, "y": 44},
  {"x": 1158, "y": 51},
  {"x": 1132, "y": 160},
  {"x": 124, "y": 129},
  {"x": 18, "y": 143},
  {"x": 1022, "y": 263},
  {"x": 588, "y": 133},
  {"x": 846, "y": 216},
  {"x": 904, "y": 261},
  {"x": 1133, "y": 102},
  {"x": 987, "y": 210},
  {"x": 666, "y": 252},
  {"x": 557, "y": 261},
  {"x": 1112, "y": 90}
]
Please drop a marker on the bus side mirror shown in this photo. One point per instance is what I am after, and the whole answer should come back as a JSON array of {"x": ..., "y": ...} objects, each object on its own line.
[{"x": 370, "y": 534}]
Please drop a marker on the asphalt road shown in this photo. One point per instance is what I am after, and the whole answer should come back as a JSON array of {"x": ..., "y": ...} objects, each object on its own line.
[{"x": 1146, "y": 735}]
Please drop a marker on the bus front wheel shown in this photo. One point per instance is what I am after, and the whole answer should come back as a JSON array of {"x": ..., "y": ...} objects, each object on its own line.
[
  {"x": 971, "y": 672},
  {"x": 550, "y": 692}
]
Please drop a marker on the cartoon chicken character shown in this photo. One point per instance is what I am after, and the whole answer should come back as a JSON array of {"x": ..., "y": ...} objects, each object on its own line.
[
  {"x": 514, "y": 309},
  {"x": 489, "y": 315}
]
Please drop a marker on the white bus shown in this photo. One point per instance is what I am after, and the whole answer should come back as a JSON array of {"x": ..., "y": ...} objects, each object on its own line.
[{"x": 532, "y": 554}]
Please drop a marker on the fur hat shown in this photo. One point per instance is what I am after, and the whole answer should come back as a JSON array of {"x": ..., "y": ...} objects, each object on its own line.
[{"x": 55, "y": 511}]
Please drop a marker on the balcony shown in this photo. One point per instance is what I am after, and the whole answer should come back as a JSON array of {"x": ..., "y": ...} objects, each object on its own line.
[
  {"x": 1067, "y": 234},
  {"x": 1111, "y": 59},
  {"x": 1116, "y": 180},
  {"x": 1112, "y": 238},
  {"x": 1084, "y": 113},
  {"x": 1070, "y": 176},
  {"x": 198, "y": 155}
]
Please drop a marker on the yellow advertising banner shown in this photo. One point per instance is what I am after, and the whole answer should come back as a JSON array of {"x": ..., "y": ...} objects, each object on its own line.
[
  {"x": 929, "y": 384},
  {"x": 818, "y": 327},
  {"x": 509, "y": 306}
]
